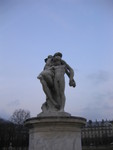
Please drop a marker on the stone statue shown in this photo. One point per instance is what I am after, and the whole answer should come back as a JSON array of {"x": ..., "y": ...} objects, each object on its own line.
[{"x": 53, "y": 82}]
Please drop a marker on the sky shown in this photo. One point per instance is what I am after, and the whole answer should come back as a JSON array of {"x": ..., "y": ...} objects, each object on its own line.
[{"x": 82, "y": 30}]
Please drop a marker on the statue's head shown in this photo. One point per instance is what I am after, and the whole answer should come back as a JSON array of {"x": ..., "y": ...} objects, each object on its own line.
[
  {"x": 58, "y": 54},
  {"x": 49, "y": 56}
]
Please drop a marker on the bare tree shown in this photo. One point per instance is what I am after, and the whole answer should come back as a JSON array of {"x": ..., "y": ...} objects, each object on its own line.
[{"x": 19, "y": 116}]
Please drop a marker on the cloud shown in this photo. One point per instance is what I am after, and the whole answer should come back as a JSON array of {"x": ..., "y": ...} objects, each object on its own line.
[
  {"x": 96, "y": 100},
  {"x": 14, "y": 103},
  {"x": 100, "y": 84},
  {"x": 8, "y": 108},
  {"x": 100, "y": 106},
  {"x": 4, "y": 114},
  {"x": 99, "y": 77}
]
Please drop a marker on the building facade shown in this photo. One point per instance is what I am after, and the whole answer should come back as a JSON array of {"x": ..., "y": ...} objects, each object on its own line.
[{"x": 97, "y": 133}]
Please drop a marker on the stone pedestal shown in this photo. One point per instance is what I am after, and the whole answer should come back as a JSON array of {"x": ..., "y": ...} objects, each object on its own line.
[{"x": 55, "y": 133}]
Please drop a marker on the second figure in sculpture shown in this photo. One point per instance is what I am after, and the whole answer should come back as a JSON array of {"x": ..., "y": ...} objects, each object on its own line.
[{"x": 53, "y": 82}]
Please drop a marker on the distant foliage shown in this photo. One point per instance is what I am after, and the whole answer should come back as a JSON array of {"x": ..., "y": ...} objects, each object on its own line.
[
  {"x": 19, "y": 116},
  {"x": 13, "y": 134}
]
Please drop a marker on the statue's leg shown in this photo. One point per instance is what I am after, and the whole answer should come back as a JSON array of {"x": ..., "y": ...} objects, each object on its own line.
[
  {"x": 47, "y": 91},
  {"x": 59, "y": 83},
  {"x": 57, "y": 90},
  {"x": 62, "y": 95}
]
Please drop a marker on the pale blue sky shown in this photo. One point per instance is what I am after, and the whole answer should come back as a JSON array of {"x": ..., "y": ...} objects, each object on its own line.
[{"x": 82, "y": 30}]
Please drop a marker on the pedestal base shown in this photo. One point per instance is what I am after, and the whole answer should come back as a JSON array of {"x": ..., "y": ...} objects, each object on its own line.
[{"x": 55, "y": 133}]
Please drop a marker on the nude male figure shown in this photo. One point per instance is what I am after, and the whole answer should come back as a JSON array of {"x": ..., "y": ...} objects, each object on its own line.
[{"x": 53, "y": 81}]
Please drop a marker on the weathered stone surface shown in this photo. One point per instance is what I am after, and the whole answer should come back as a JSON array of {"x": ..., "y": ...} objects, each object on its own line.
[
  {"x": 53, "y": 128},
  {"x": 54, "y": 114},
  {"x": 55, "y": 133},
  {"x": 53, "y": 82}
]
